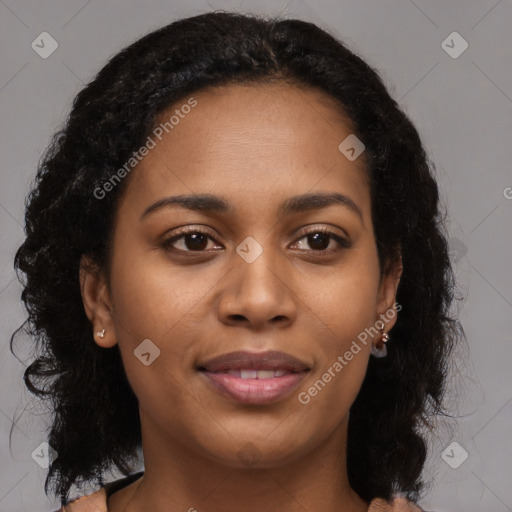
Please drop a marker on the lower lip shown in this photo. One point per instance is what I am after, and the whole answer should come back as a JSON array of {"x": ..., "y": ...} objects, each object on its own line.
[{"x": 254, "y": 391}]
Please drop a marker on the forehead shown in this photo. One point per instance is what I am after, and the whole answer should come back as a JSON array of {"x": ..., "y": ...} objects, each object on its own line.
[
  {"x": 270, "y": 139},
  {"x": 260, "y": 115}
]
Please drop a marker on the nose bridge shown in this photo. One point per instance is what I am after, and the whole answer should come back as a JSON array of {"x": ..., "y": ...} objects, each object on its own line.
[
  {"x": 256, "y": 290},
  {"x": 257, "y": 271}
]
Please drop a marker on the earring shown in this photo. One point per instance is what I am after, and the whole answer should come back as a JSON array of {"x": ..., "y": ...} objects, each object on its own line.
[
  {"x": 101, "y": 334},
  {"x": 380, "y": 350}
]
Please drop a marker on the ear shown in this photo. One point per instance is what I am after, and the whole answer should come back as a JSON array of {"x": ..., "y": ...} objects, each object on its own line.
[
  {"x": 386, "y": 302},
  {"x": 97, "y": 303}
]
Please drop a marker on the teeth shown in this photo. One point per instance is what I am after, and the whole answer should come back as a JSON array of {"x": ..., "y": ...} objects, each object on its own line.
[
  {"x": 249, "y": 374},
  {"x": 257, "y": 374},
  {"x": 265, "y": 374}
]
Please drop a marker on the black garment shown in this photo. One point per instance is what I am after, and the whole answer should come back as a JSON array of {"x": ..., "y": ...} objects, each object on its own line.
[{"x": 117, "y": 485}]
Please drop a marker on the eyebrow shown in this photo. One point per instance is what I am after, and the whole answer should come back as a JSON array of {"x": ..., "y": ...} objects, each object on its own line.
[{"x": 217, "y": 204}]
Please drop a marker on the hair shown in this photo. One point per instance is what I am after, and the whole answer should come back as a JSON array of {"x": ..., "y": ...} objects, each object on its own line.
[{"x": 96, "y": 424}]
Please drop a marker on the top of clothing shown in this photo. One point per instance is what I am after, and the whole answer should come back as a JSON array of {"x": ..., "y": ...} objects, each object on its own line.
[{"x": 97, "y": 501}]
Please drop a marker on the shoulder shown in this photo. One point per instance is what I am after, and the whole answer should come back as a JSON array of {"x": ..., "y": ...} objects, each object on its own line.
[
  {"x": 397, "y": 504},
  {"x": 95, "y": 502}
]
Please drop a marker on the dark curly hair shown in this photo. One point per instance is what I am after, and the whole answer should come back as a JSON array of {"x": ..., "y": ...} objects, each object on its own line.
[{"x": 96, "y": 425}]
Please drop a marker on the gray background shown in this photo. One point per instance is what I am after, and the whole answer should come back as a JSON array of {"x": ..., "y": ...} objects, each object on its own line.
[{"x": 462, "y": 108}]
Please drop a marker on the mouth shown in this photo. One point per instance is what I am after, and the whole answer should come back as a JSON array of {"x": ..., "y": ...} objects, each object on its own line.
[{"x": 254, "y": 378}]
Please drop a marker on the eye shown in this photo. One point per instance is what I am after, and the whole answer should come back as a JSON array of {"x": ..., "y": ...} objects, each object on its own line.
[
  {"x": 191, "y": 239},
  {"x": 322, "y": 240}
]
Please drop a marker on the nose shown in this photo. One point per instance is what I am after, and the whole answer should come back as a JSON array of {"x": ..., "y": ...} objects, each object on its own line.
[{"x": 258, "y": 295}]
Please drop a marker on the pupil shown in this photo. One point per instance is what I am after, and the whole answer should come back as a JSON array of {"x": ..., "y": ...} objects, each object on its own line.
[
  {"x": 318, "y": 237},
  {"x": 199, "y": 241}
]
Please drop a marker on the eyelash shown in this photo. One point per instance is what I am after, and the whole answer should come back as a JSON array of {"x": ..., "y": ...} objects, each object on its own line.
[{"x": 343, "y": 242}]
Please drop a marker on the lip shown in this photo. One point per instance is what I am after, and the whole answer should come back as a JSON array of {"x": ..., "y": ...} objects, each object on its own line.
[{"x": 223, "y": 374}]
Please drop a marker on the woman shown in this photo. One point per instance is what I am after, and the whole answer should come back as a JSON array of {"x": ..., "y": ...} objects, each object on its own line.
[{"x": 235, "y": 260}]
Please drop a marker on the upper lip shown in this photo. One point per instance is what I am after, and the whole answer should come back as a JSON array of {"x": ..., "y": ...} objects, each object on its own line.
[{"x": 243, "y": 360}]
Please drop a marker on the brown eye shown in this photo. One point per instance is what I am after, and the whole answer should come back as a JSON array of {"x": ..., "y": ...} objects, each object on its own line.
[
  {"x": 190, "y": 241},
  {"x": 321, "y": 240},
  {"x": 195, "y": 241}
]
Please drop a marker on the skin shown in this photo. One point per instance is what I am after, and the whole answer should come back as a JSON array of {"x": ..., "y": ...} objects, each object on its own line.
[{"x": 256, "y": 146}]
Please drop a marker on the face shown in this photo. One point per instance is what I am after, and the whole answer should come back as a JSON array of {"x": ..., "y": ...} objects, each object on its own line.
[{"x": 255, "y": 265}]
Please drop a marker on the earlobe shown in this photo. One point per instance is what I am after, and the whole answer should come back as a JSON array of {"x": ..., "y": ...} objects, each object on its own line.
[
  {"x": 387, "y": 307},
  {"x": 104, "y": 339},
  {"x": 96, "y": 301}
]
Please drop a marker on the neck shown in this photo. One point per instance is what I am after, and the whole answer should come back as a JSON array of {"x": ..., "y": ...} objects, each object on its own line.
[{"x": 176, "y": 478}]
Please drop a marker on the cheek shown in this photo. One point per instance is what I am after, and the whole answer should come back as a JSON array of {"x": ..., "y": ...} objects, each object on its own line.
[
  {"x": 344, "y": 312},
  {"x": 150, "y": 297},
  {"x": 344, "y": 307},
  {"x": 153, "y": 302},
  {"x": 344, "y": 300}
]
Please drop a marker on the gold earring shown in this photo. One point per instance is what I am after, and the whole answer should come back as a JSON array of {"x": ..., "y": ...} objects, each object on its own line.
[{"x": 379, "y": 349}]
